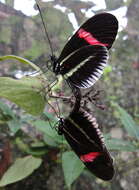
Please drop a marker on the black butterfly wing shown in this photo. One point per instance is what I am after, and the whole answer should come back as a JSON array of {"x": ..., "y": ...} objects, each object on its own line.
[
  {"x": 85, "y": 66},
  {"x": 82, "y": 133},
  {"x": 100, "y": 29}
]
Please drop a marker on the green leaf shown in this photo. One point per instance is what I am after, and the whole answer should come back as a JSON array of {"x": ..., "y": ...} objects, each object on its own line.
[
  {"x": 50, "y": 141},
  {"x": 22, "y": 168},
  {"x": 44, "y": 127},
  {"x": 49, "y": 116},
  {"x": 129, "y": 124},
  {"x": 37, "y": 144},
  {"x": 38, "y": 151},
  {"x": 118, "y": 144},
  {"x": 51, "y": 136},
  {"x": 14, "y": 125},
  {"x": 24, "y": 92},
  {"x": 21, "y": 60},
  {"x": 6, "y": 113},
  {"x": 72, "y": 167}
]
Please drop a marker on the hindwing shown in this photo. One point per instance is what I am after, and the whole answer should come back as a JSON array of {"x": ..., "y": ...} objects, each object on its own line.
[{"x": 85, "y": 66}]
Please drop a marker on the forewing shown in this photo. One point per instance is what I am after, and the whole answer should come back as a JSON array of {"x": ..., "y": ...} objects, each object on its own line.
[
  {"x": 100, "y": 29},
  {"x": 85, "y": 66},
  {"x": 82, "y": 133}
]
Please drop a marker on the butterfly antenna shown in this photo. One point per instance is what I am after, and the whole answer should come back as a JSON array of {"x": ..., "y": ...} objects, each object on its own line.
[
  {"x": 59, "y": 112},
  {"x": 44, "y": 25},
  {"x": 53, "y": 108}
]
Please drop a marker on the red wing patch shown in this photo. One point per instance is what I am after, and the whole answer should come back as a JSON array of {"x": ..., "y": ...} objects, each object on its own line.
[
  {"x": 87, "y": 36},
  {"x": 90, "y": 157}
]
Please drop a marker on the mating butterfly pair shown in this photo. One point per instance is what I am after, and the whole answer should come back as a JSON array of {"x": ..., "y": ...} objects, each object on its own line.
[{"x": 81, "y": 63}]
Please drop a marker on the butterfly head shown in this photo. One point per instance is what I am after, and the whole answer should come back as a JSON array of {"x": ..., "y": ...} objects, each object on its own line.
[
  {"x": 56, "y": 65},
  {"x": 60, "y": 126}
]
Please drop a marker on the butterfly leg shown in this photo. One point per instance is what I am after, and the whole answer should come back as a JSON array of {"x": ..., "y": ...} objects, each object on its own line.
[{"x": 93, "y": 98}]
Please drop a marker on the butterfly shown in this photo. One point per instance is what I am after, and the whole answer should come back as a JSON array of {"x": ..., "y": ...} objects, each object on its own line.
[
  {"x": 85, "y": 55},
  {"x": 82, "y": 133}
]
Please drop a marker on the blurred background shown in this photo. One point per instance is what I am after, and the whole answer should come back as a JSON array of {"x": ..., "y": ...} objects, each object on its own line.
[{"x": 22, "y": 34}]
